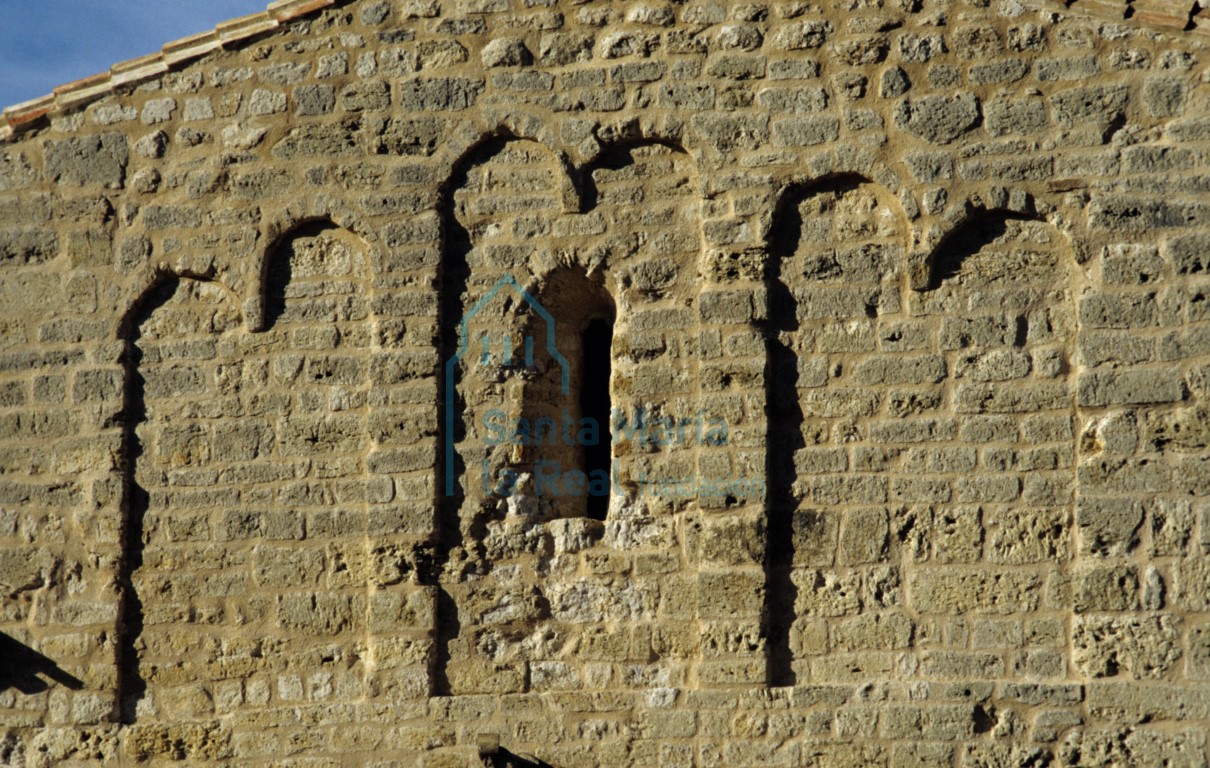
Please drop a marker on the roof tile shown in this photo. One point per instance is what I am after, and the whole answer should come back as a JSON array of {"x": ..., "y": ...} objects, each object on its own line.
[
  {"x": 245, "y": 26},
  {"x": 137, "y": 70},
  {"x": 82, "y": 91},
  {"x": 88, "y": 89},
  {"x": 26, "y": 113},
  {"x": 284, "y": 10},
  {"x": 192, "y": 47},
  {"x": 83, "y": 82},
  {"x": 1173, "y": 14}
]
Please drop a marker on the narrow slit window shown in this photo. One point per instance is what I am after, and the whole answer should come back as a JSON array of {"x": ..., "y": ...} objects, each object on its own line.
[
  {"x": 597, "y": 351},
  {"x": 565, "y": 405}
]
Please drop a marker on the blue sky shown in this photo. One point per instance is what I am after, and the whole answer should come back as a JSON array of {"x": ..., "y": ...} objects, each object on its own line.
[{"x": 44, "y": 43}]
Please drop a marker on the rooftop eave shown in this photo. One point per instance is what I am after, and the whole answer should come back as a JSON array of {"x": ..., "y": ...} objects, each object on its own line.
[{"x": 80, "y": 93}]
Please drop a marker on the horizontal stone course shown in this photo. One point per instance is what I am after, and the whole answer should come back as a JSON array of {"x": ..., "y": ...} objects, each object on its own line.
[{"x": 937, "y": 271}]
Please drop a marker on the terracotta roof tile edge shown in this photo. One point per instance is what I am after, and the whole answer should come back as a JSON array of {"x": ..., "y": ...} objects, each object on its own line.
[
  {"x": 137, "y": 70},
  {"x": 192, "y": 47},
  {"x": 246, "y": 26},
  {"x": 284, "y": 10},
  {"x": 1149, "y": 14},
  {"x": 83, "y": 91},
  {"x": 84, "y": 82},
  {"x": 20, "y": 116}
]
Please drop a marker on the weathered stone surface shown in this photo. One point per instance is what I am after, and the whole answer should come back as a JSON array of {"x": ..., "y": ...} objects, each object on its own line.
[
  {"x": 193, "y": 741},
  {"x": 1099, "y": 106},
  {"x": 506, "y": 52},
  {"x": 339, "y": 140},
  {"x": 938, "y": 119},
  {"x": 1106, "y": 646},
  {"x": 1129, "y": 746},
  {"x": 15, "y": 171},
  {"x": 314, "y": 99},
  {"x": 27, "y": 246},
  {"x": 1131, "y": 387},
  {"x": 438, "y": 94},
  {"x": 895, "y": 315},
  {"x": 99, "y": 159},
  {"x": 366, "y": 95}
]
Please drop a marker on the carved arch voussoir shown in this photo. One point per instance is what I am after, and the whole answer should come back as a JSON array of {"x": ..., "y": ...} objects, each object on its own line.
[
  {"x": 1069, "y": 217},
  {"x": 624, "y": 143},
  {"x": 1013, "y": 201},
  {"x": 669, "y": 131}
]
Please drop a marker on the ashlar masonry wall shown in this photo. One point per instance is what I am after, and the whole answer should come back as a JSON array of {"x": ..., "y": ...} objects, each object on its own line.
[{"x": 914, "y": 293}]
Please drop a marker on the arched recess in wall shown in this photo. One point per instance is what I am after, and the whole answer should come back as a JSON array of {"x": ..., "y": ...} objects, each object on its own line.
[
  {"x": 499, "y": 216},
  {"x": 837, "y": 261},
  {"x": 517, "y": 611},
  {"x": 247, "y": 489},
  {"x": 934, "y": 451},
  {"x": 685, "y": 370},
  {"x": 376, "y": 286},
  {"x": 644, "y": 219},
  {"x": 1003, "y": 286},
  {"x": 566, "y": 398},
  {"x": 278, "y": 231},
  {"x": 312, "y": 490},
  {"x": 985, "y": 472},
  {"x": 167, "y": 617}
]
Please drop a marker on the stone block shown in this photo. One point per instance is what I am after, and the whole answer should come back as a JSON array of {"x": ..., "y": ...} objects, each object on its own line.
[
  {"x": 938, "y": 119},
  {"x": 99, "y": 159},
  {"x": 1108, "y": 526},
  {"x": 863, "y": 536},
  {"x": 728, "y": 594},
  {"x": 1131, "y": 387},
  {"x": 312, "y": 100},
  {"x": 1105, "y": 588},
  {"x": 805, "y": 131},
  {"x": 1141, "y": 646},
  {"x": 986, "y": 591},
  {"x": 23, "y": 245}
]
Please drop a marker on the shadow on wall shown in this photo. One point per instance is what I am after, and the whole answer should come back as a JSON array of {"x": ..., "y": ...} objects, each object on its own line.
[
  {"x": 495, "y": 756},
  {"x": 838, "y": 236},
  {"x": 23, "y": 668},
  {"x": 131, "y": 684},
  {"x": 785, "y": 419},
  {"x": 966, "y": 240}
]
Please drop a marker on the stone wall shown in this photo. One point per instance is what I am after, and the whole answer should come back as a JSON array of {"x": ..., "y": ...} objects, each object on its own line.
[{"x": 913, "y": 296}]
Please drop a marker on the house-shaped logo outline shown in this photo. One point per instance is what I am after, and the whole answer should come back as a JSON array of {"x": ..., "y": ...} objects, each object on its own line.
[{"x": 464, "y": 345}]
